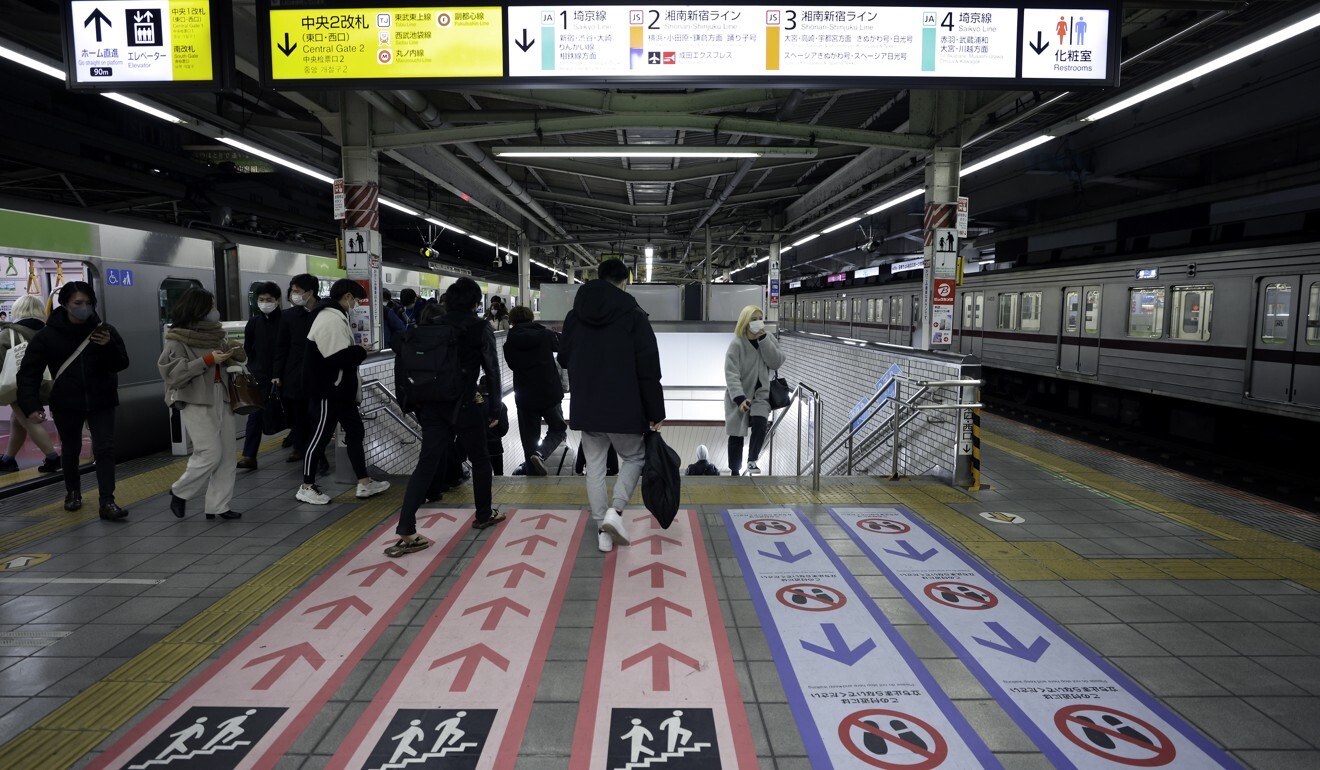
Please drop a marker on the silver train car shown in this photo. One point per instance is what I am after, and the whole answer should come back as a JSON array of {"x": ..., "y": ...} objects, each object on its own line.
[
  {"x": 138, "y": 271},
  {"x": 1235, "y": 328}
]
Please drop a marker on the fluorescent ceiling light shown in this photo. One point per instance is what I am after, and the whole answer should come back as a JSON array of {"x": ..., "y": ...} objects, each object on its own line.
[
  {"x": 1006, "y": 154},
  {"x": 279, "y": 160},
  {"x": 907, "y": 196},
  {"x": 1287, "y": 33},
  {"x": 479, "y": 239},
  {"x": 785, "y": 249},
  {"x": 766, "y": 258},
  {"x": 811, "y": 237},
  {"x": 649, "y": 251},
  {"x": 399, "y": 207},
  {"x": 151, "y": 110},
  {"x": 652, "y": 151},
  {"x": 445, "y": 225},
  {"x": 649, "y": 260},
  {"x": 840, "y": 225},
  {"x": 13, "y": 55}
]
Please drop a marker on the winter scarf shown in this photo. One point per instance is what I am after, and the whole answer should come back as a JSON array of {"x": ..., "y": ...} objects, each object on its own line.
[{"x": 204, "y": 335}]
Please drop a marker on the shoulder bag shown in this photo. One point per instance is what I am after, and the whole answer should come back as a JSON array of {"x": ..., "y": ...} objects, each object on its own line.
[
  {"x": 780, "y": 394},
  {"x": 244, "y": 392}
]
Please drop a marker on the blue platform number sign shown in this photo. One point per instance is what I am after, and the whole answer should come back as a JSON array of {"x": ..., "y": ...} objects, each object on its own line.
[{"x": 119, "y": 277}]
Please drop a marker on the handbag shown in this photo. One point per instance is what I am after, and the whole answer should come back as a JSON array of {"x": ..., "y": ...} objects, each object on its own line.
[
  {"x": 9, "y": 371},
  {"x": 244, "y": 392},
  {"x": 273, "y": 419},
  {"x": 780, "y": 394}
]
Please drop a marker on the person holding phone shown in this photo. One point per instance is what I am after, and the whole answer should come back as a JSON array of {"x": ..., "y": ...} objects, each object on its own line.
[
  {"x": 751, "y": 355},
  {"x": 85, "y": 355}
]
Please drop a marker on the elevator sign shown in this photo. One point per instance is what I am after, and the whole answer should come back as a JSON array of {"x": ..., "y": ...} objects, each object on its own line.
[{"x": 118, "y": 44}]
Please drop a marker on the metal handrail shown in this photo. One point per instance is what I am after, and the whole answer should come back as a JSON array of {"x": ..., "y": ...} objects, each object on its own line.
[
  {"x": 817, "y": 413},
  {"x": 370, "y": 414}
]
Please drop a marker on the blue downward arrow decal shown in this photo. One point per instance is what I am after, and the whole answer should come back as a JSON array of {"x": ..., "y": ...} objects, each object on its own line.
[
  {"x": 785, "y": 553},
  {"x": 910, "y": 552},
  {"x": 839, "y": 649},
  {"x": 1012, "y": 646}
]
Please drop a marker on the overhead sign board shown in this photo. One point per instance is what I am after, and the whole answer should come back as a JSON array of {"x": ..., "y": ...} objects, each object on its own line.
[
  {"x": 1065, "y": 43},
  {"x": 126, "y": 45},
  {"x": 382, "y": 43}
]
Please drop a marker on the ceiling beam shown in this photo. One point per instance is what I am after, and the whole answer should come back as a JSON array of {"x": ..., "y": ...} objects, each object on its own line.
[
  {"x": 690, "y": 173},
  {"x": 569, "y": 199}
]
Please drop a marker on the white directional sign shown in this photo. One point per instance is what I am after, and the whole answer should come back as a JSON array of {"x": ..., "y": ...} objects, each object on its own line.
[
  {"x": 142, "y": 42},
  {"x": 1065, "y": 43}
]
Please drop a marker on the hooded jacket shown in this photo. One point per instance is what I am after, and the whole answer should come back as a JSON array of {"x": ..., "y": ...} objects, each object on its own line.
[
  {"x": 260, "y": 339},
  {"x": 291, "y": 350},
  {"x": 476, "y": 357},
  {"x": 89, "y": 384},
  {"x": 529, "y": 350},
  {"x": 613, "y": 362},
  {"x": 331, "y": 359}
]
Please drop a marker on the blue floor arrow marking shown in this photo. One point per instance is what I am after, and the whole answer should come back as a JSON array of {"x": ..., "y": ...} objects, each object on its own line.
[
  {"x": 785, "y": 553},
  {"x": 839, "y": 649},
  {"x": 1012, "y": 646},
  {"x": 909, "y": 552}
]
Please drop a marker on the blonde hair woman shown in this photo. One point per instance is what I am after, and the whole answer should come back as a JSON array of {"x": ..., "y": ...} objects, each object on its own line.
[
  {"x": 747, "y": 364},
  {"x": 27, "y": 317}
]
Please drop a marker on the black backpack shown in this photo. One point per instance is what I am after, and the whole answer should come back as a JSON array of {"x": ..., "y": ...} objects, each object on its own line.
[
  {"x": 661, "y": 479},
  {"x": 426, "y": 367}
]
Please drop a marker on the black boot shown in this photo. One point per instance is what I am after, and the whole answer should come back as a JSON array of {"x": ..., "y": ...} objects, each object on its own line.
[
  {"x": 178, "y": 505},
  {"x": 72, "y": 500},
  {"x": 225, "y": 515},
  {"x": 112, "y": 512}
]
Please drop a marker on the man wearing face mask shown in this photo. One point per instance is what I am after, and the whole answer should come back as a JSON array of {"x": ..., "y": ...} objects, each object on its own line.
[
  {"x": 259, "y": 340},
  {"x": 747, "y": 364},
  {"x": 290, "y": 348},
  {"x": 330, "y": 379}
]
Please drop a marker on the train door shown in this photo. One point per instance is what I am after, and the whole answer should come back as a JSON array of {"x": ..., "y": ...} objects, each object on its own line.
[
  {"x": 915, "y": 318},
  {"x": 972, "y": 330},
  {"x": 896, "y": 326},
  {"x": 1285, "y": 358},
  {"x": 1079, "y": 330}
]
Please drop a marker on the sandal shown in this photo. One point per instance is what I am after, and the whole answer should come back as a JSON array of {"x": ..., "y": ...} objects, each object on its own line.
[
  {"x": 408, "y": 544},
  {"x": 495, "y": 518}
]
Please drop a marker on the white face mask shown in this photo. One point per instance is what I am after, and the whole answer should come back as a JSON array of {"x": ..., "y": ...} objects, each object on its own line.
[
  {"x": 267, "y": 307},
  {"x": 214, "y": 315},
  {"x": 756, "y": 327},
  {"x": 298, "y": 299}
]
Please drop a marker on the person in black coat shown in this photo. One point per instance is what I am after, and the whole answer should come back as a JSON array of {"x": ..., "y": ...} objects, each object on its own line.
[
  {"x": 260, "y": 339},
  {"x": 613, "y": 363},
  {"x": 86, "y": 356},
  {"x": 538, "y": 392},
  {"x": 290, "y": 350}
]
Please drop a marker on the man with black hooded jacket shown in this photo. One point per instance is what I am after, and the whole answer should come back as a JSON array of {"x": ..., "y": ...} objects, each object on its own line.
[
  {"x": 613, "y": 363},
  {"x": 530, "y": 351}
]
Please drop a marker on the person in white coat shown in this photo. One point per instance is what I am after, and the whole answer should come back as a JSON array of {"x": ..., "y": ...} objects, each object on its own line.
[{"x": 747, "y": 364}]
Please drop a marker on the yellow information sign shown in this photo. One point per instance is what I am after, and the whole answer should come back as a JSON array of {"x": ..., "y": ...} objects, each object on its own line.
[
  {"x": 143, "y": 42},
  {"x": 190, "y": 37},
  {"x": 386, "y": 43}
]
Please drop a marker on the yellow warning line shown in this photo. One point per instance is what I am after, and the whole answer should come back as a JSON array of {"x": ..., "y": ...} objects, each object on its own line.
[
  {"x": 75, "y": 729},
  {"x": 128, "y": 492}
]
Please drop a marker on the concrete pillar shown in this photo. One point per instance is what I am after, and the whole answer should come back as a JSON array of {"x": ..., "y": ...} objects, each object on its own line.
[
  {"x": 706, "y": 277},
  {"x": 524, "y": 271},
  {"x": 937, "y": 113},
  {"x": 362, "y": 246}
]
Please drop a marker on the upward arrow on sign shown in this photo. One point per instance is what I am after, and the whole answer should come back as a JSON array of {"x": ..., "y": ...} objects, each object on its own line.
[{"x": 98, "y": 18}]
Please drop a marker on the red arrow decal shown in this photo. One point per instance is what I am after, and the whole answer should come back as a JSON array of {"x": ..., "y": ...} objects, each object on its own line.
[
  {"x": 657, "y": 542},
  {"x": 516, "y": 571},
  {"x": 655, "y": 523},
  {"x": 432, "y": 518},
  {"x": 337, "y": 608},
  {"x": 497, "y": 609},
  {"x": 286, "y": 657},
  {"x": 471, "y": 658},
  {"x": 543, "y": 519},
  {"x": 657, "y": 606},
  {"x": 657, "y": 570},
  {"x": 532, "y": 541},
  {"x": 377, "y": 570},
  {"x": 660, "y": 654}
]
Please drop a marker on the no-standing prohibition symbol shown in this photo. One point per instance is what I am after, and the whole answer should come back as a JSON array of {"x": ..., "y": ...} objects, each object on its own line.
[
  {"x": 1114, "y": 735},
  {"x": 884, "y": 526},
  {"x": 892, "y": 740},
  {"x": 960, "y": 596},
  {"x": 811, "y": 597},
  {"x": 770, "y": 527}
]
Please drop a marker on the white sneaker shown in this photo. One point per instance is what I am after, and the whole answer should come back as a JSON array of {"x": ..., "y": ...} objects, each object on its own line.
[
  {"x": 372, "y": 488},
  {"x": 313, "y": 495},
  {"x": 613, "y": 526},
  {"x": 753, "y": 469},
  {"x": 604, "y": 542}
]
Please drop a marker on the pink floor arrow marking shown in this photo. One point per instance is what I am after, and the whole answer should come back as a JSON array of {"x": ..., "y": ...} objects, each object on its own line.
[
  {"x": 486, "y": 644},
  {"x": 680, "y": 658},
  {"x": 302, "y": 653}
]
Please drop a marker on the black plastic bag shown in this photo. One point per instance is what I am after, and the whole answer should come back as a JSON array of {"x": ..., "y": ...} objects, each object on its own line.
[
  {"x": 662, "y": 479},
  {"x": 272, "y": 413}
]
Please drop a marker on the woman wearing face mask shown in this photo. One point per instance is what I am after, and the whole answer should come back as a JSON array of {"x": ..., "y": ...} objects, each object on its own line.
[
  {"x": 290, "y": 351},
  {"x": 196, "y": 383},
  {"x": 85, "y": 356},
  {"x": 259, "y": 340},
  {"x": 747, "y": 364}
]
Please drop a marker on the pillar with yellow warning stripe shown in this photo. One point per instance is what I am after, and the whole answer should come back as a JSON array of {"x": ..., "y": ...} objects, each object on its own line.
[
  {"x": 976, "y": 447},
  {"x": 967, "y": 454}
]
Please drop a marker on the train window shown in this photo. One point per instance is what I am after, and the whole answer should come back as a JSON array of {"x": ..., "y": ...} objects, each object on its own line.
[
  {"x": 857, "y": 310},
  {"x": 1030, "y": 311},
  {"x": 978, "y": 312},
  {"x": 170, "y": 291},
  {"x": 1278, "y": 308},
  {"x": 895, "y": 310},
  {"x": 968, "y": 319},
  {"x": 1072, "y": 307},
  {"x": 870, "y": 310},
  {"x": 1145, "y": 312},
  {"x": 1313, "y": 316},
  {"x": 1008, "y": 311},
  {"x": 815, "y": 309},
  {"x": 1091, "y": 316},
  {"x": 1192, "y": 306}
]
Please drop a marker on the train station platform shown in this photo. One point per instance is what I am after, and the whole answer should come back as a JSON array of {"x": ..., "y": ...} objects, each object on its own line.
[{"x": 1082, "y": 609}]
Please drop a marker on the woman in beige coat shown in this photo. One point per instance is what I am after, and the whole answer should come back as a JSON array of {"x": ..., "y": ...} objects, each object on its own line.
[{"x": 197, "y": 384}]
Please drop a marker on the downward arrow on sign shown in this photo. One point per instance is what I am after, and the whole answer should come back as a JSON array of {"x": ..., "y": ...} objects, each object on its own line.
[
  {"x": 839, "y": 649},
  {"x": 785, "y": 553},
  {"x": 1012, "y": 646},
  {"x": 910, "y": 552}
]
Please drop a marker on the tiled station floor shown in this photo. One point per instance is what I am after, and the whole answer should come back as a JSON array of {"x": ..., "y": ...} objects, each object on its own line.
[{"x": 1205, "y": 597}]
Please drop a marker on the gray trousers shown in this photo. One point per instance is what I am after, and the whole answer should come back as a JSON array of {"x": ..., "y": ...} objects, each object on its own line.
[{"x": 632, "y": 456}]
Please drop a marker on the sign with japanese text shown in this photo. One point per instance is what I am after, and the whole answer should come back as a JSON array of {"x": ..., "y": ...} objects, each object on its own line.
[
  {"x": 383, "y": 43},
  {"x": 119, "y": 44},
  {"x": 1065, "y": 43}
]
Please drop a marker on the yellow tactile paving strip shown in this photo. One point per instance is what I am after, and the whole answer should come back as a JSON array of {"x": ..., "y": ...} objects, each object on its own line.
[
  {"x": 1253, "y": 554},
  {"x": 73, "y": 730}
]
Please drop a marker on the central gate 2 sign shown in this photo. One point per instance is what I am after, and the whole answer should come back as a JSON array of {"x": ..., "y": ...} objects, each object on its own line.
[{"x": 965, "y": 46}]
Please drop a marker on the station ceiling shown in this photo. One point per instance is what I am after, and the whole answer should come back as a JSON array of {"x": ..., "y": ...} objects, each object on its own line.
[{"x": 1224, "y": 158}]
